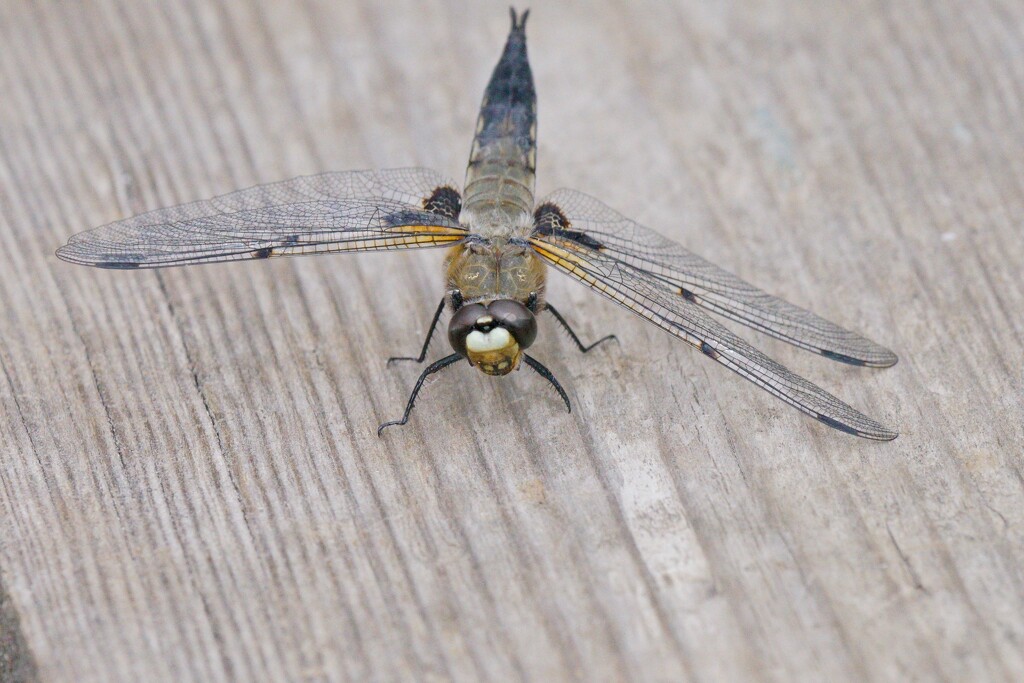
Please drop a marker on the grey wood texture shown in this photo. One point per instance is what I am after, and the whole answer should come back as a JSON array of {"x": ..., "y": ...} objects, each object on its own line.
[{"x": 191, "y": 487}]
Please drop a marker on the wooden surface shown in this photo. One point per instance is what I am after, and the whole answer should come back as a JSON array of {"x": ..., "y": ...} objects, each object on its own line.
[{"x": 191, "y": 487}]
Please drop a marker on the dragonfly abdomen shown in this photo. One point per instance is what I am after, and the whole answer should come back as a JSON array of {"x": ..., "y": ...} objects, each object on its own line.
[{"x": 498, "y": 194}]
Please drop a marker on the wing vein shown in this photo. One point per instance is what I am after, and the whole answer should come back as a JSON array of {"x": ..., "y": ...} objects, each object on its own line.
[
  {"x": 330, "y": 212},
  {"x": 647, "y": 297}
]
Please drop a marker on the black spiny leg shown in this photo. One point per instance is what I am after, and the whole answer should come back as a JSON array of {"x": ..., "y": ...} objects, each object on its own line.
[
  {"x": 576, "y": 340},
  {"x": 431, "y": 369},
  {"x": 426, "y": 342},
  {"x": 546, "y": 374}
]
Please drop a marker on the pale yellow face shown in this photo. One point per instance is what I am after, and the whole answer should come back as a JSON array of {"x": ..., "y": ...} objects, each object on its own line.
[{"x": 495, "y": 352}]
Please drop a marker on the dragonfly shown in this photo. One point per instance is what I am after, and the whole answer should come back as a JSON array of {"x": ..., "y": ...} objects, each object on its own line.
[{"x": 500, "y": 242}]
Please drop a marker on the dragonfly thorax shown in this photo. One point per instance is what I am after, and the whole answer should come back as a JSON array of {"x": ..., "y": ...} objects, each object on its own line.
[{"x": 491, "y": 269}]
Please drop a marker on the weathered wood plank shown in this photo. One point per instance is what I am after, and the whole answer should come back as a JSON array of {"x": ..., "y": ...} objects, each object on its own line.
[{"x": 190, "y": 482}]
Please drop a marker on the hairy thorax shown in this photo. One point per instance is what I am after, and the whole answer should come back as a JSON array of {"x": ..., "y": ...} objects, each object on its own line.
[{"x": 485, "y": 270}]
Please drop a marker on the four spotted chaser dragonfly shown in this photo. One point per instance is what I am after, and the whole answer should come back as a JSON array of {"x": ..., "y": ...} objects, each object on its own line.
[{"x": 500, "y": 242}]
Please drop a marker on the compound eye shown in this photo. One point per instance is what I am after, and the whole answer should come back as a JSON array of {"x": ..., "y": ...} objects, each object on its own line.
[
  {"x": 462, "y": 323},
  {"x": 516, "y": 318}
]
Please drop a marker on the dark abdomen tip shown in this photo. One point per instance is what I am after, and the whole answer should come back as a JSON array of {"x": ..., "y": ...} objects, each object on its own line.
[{"x": 518, "y": 22}]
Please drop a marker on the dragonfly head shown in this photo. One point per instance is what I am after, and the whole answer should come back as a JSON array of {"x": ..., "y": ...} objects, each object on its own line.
[{"x": 493, "y": 336}]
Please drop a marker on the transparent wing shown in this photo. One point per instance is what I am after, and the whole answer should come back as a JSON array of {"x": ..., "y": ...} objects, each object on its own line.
[
  {"x": 705, "y": 284},
  {"x": 647, "y": 296},
  {"x": 331, "y": 212}
]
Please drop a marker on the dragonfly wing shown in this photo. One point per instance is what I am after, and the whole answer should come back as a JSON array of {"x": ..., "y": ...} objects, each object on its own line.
[
  {"x": 580, "y": 255},
  {"x": 688, "y": 275},
  {"x": 330, "y": 212}
]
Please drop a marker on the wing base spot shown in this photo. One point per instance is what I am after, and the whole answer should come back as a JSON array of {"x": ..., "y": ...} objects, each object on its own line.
[{"x": 549, "y": 220}]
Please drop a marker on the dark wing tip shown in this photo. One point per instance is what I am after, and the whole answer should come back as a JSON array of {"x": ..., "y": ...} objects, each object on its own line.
[
  {"x": 116, "y": 265},
  {"x": 71, "y": 254},
  {"x": 843, "y": 358},
  {"x": 883, "y": 358},
  {"x": 876, "y": 433}
]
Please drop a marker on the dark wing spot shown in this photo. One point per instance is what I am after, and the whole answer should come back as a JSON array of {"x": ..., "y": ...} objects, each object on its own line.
[
  {"x": 291, "y": 240},
  {"x": 117, "y": 265},
  {"x": 841, "y": 358},
  {"x": 265, "y": 252},
  {"x": 444, "y": 201},
  {"x": 687, "y": 294},
  {"x": 548, "y": 219},
  {"x": 708, "y": 350},
  {"x": 401, "y": 219},
  {"x": 835, "y": 424}
]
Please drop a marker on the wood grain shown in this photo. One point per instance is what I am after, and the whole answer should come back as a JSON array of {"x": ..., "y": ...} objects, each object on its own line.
[{"x": 191, "y": 487}]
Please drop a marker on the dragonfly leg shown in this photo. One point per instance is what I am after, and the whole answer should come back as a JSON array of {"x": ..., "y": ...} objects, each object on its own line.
[
  {"x": 546, "y": 374},
  {"x": 572, "y": 335},
  {"x": 436, "y": 366},
  {"x": 426, "y": 342}
]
